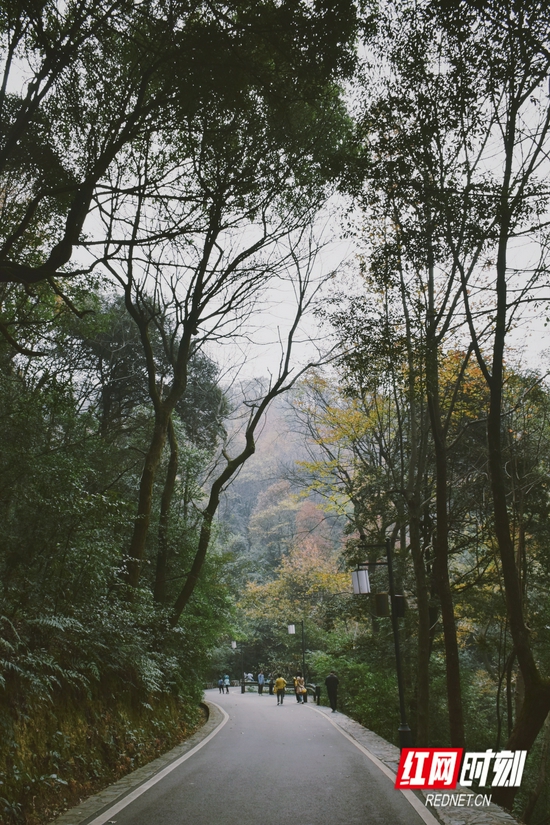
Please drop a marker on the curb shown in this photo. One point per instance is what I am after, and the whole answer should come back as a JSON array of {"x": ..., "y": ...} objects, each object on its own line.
[
  {"x": 95, "y": 805},
  {"x": 389, "y": 754}
]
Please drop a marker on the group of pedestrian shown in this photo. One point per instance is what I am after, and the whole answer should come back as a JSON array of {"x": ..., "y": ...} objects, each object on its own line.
[
  {"x": 299, "y": 688},
  {"x": 331, "y": 684},
  {"x": 223, "y": 684},
  {"x": 278, "y": 687}
]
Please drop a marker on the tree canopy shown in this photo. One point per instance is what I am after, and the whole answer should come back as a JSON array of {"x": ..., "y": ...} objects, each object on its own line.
[{"x": 164, "y": 172}]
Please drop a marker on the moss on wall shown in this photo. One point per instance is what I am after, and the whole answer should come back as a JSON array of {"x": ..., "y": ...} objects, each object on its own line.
[{"x": 52, "y": 755}]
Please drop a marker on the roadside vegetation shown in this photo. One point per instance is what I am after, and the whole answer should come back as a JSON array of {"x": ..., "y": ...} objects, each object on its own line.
[{"x": 166, "y": 173}]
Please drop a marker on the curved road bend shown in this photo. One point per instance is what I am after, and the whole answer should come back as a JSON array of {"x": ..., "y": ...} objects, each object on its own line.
[{"x": 273, "y": 765}]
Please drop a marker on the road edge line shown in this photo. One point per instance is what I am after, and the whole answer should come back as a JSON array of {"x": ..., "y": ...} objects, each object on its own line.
[
  {"x": 413, "y": 800},
  {"x": 141, "y": 789}
]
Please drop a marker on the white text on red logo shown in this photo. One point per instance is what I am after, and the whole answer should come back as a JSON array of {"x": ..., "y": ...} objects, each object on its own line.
[{"x": 432, "y": 768}]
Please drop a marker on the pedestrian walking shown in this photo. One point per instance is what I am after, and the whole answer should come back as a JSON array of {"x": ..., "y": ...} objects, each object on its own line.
[
  {"x": 226, "y": 683},
  {"x": 220, "y": 684},
  {"x": 271, "y": 685},
  {"x": 299, "y": 687},
  {"x": 280, "y": 685},
  {"x": 331, "y": 683},
  {"x": 261, "y": 682}
]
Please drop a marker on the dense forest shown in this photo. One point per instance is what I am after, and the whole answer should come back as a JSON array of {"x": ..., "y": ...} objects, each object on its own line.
[{"x": 174, "y": 177}]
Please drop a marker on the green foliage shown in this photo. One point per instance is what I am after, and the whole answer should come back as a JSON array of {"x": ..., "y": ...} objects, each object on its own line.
[
  {"x": 71, "y": 632},
  {"x": 106, "y": 114},
  {"x": 366, "y": 693},
  {"x": 58, "y": 753}
]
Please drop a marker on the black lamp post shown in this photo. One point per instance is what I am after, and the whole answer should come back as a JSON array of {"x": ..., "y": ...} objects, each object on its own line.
[
  {"x": 292, "y": 631},
  {"x": 361, "y": 585},
  {"x": 234, "y": 646}
]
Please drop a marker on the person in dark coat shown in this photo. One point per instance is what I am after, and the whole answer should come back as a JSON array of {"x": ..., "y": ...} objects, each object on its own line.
[{"x": 331, "y": 683}]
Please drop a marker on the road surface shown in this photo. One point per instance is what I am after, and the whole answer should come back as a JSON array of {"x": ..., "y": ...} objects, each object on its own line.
[{"x": 270, "y": 765}]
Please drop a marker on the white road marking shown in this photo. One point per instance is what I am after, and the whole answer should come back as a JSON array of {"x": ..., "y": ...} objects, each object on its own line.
[
  {"x": 103, "y": 818},
  {"x": 420, "y": 809},
  {"x": 118, "y": 806}
]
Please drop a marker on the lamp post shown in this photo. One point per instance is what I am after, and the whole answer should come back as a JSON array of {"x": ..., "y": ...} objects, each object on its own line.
[
  {"x": 292, "y": 631},
  {"x": 361, "y": 585},
  {"x": 234, "y": 646}
]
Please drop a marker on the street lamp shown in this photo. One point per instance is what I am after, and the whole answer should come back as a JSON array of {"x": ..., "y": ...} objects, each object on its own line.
[
  {"x": 292, "y": 630},
  {"x": 361, "y": 585},
  {"x": 360, "y": 582},
  {"x": 234, "y": 646}
]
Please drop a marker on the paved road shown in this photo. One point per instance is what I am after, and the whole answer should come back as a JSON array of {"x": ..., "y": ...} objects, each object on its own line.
[{"x": 272, "y": 765}]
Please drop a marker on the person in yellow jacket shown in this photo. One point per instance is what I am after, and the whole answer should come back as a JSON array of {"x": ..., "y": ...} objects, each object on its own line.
[
  {"x": 299, "y": 687},
  {"x": 279, "y": 688}
]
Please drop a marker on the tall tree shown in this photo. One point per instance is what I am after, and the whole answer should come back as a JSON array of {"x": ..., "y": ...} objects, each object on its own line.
[
  {"x": 409, "y": 173},
  {"x": 196, "y": 227},
  {"x": 459, "y": 141},
  {"x": 508, "y": 66}
]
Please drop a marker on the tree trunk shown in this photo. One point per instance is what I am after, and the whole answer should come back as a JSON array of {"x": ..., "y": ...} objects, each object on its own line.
[
  {"x": 509, "y": 702},
  {"x": 163, "y": 411},
  {"x": 423, "y": 647},
  {"x": 536, "y": 704},
  {"x": 441, "y": 553},
  {"x": 529, "y": 722},
  {"x": 209, "y": 512},
  {"x": 159, "y": 590},
  {"x": 419, "y": 427},
  {"x": 441, "y": 578},
  {"x": 536, "y": 792},
  {"x": 136, "y": 551},
  {"x": 231, "y": 467}
]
